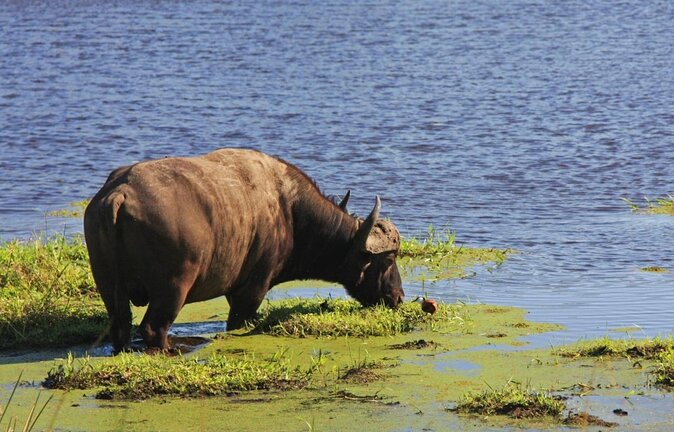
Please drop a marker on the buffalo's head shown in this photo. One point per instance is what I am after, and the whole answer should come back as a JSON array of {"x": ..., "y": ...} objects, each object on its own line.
[{"x": 370, "y": 270}]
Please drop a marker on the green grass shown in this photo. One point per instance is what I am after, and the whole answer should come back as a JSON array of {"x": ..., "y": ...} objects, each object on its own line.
[
  {"x": 664, "y": 368},
  {"x": 663, "y": 206},
  {"x": 513, "y": 400},
  {"x": 47, "y": 294},
  {"x": 437, "y": 257},
  {"x": 136, "y": 377},
  {"x": 625, "y": 348},
  {"x": 336, "y": 317},
  {"x": 48, "y": 297}
]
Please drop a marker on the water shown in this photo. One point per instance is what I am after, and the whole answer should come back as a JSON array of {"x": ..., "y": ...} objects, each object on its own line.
[{"x": 519, "y": 124}]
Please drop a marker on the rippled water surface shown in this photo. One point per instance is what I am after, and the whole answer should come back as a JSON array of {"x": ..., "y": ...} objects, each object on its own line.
[{"x": 518, "y": 124}]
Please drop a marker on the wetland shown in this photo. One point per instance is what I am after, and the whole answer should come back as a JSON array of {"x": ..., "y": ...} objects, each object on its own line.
[{"x": 532, "y": 130}]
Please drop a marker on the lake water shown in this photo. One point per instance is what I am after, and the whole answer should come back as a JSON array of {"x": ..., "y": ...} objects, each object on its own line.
[{"x": 519, "y": 124}]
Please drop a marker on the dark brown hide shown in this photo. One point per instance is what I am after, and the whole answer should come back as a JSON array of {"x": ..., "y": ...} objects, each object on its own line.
[{"x": 233, "y": 222}]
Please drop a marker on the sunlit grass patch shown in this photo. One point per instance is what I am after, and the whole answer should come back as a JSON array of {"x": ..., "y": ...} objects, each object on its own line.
[
  {"x": 626, "y": 348},
  {"x": 131, "y": 376},
  {"x": 513, "y": 400},
  {"x": 336, "y": 317},
  {"x": 47, "y": 294},
  {"x": 664, "y": 368},
  {"x": 437, "y": 257},
  {"x": 663, "y": 205}
]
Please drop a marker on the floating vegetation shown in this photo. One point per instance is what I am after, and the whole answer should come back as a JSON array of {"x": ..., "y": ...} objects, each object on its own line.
[
  {"x": 437, "y": 257},
  {"x": 657, "y": 206},
  {"x": 513, "y": 400},
  {"x": 583, "y": 419},
  {"x": 75, "y": 210},
  {"x": 655, "y": 269},
  {"x": 336, "y": 317},
  {"x": 415, "y": 344},
  {"x": 625, "y": 348},
  {"x": 135, "y": 377},
  {"x": 47, "y": 294}
]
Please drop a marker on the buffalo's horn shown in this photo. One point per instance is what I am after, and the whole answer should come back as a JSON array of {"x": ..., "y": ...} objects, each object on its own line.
[
  {"x": 367, "y": 225},
  {"x": 345, "y": 200}
]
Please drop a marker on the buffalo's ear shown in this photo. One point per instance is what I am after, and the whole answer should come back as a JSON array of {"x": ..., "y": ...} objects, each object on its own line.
[{"x": 345, "y": 201}]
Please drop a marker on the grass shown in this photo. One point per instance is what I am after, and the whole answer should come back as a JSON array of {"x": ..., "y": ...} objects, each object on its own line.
[
  {"x": 336, "y": 317},
  {"x": 661, "y": 351},
  {"x": 137, "y": 377},
  {"x": 513, "y": 400},
  {"x": 437, "y": 257},
  {"x": 663, "y": 206},
  {"x": 664, "y": 368},
  {"x": 48, "y": 297},
  {"x": 47, "y": 294},
  {"x": 620, "y": 348}
]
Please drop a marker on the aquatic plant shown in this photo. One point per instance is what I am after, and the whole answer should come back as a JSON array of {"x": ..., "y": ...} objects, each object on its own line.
[
  {"x": 513, "y": 400},
  {"x": 437, "y": 257},
  {"x": 132, "y": 376},
  {"x": 337, "y": 317},
  {"x": 627, "y": 348},
  {"x": 47, "y": 294},
  {"x": 655, "y": 269},
  {"x": 75, "y": 210},
  {"x": 663, "y": 205},
  {"x": 664, "y": 368}
]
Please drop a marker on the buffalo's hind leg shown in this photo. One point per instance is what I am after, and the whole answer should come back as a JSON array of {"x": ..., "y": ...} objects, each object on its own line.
[
  {"x": 165, "y": 302},
  {"x": 242, "y": 308}
]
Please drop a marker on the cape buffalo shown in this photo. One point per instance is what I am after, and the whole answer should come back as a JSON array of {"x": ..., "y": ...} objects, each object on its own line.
[{"x": 232, "y": 222}]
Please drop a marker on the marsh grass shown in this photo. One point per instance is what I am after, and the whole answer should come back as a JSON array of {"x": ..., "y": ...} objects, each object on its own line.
[
  {"x": 513, "y": 400},
  {"x": 337, "y": 317},
  {"x": 137, "y": 377},
  {"x": 437, "y": 257},
  {"x": 663, "y": 205},
  {"x": 47, "y": 294},
  {"x": 619, "y": 348},
  {"x": 664, "y": 368}
]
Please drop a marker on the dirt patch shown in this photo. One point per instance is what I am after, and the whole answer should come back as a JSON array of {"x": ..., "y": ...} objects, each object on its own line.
[
  {"x": 584, "y": 419},
  {"x": 360, "y": 375},
  {"x": 375, "y": 398},
  {"x": 496, "y": 335},
  {"x": 415, "y": 344}
]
